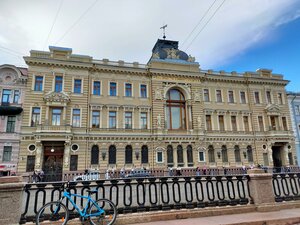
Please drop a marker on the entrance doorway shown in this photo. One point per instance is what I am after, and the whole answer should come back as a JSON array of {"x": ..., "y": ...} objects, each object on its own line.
[
  {"x": 53, "y": 161},
  {"x": 276, "y": 154}
]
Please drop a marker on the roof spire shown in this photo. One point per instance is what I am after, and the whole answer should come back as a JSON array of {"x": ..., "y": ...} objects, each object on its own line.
[{"x": 164, "y": 29}]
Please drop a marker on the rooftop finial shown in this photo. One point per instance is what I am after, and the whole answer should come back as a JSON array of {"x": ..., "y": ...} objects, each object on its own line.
[{"x": 164, "y": 28}]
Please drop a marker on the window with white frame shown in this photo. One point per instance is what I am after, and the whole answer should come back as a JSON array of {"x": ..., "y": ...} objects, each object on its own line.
[
  {"x": 95, "y": 119},
  {"x": 219, "y": 95},
  {"x": 159, "y": 156},
  {"x": 7, "y": 152},
  {"x": 230, "y": 97},
  {"x": 143, "y": 90},
  {"x": 16, "y": 96},
  {"x": 201, "y": 156},
  {"x": 77, "y": 86},
  {"x": 113, "y": 89},
  {"x": 128, "y": 90},
  {"x": 128, "y": 120},
  {"x": 280, "y": 99},
  {"x": 97, "y": 88},
  {"x": 38, "y": 83},
  {"x": 6, "y": 95},
  {"x": 243, "y": 97},
  {"x": 58, "y": 85},
  {"x": 113, "y": 119},
  {"x": 297, "y": 110},
  {"x": 35, "y": 116},
  {"x": 143, "y": 120},
  {"x": 256, "y": 97},
  {"x": 206, "y": 95},
  {"x": 76, "y": 118}
]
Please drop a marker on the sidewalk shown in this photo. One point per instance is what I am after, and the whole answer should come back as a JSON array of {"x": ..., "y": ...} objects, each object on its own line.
[{"x": 282, "y": 217}]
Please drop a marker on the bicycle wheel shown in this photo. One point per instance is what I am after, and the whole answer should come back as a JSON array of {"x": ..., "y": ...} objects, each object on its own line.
[
  {"x": 106, "y": 215},
  {"x": 56, "y": 212}
]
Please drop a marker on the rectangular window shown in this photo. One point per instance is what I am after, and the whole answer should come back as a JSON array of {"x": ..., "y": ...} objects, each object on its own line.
[
  {"x": 38, "y": 83},
  {"x": 73, "y": 162},
  {"x": 7, "y": 151},
  {"x": 11, "y": 120},
  {"x": 77, "y": 86},
  {"x": 221, "y": 123},
  {"x": 243, "y": 97},
  {"x": 256, "y": 96},
  {"x": 208, "y": 122},
  {"x": 76, "y": 118},
  {"x": 206, "y": 95},
  {"x": 58, "y": 84},
  {"x": 143, "y": 91},
  {"x": 128, "y": 90},
  {"x": 233, "y": 123},
  {"x": 284, "y": 123},
  {"x": 246, "y": 123},
  {"x": 96, "y": 88},
  {"x": 273, "y": 123},
  {"x": 201, "y": 157},
  {"x": 30, "y": 163},
  {"x": 95, "y": 119},
  {"x": 113, "y": 119},
  {"x": 35, "y": 116},
  {"x": 56, "y": 117},
  {"x": 230, "y": 97},
  {"x": 280, "y": 100},
  {"x": 261, "y": 123},
  {"x": 269, "y": 99},
  {"x": 128, "y": 120},
  {"x": 143, "y": 120},
  {"x": 6, "y": 97},
  {"x": 219, "y": 95},
  {"x": 16, "y": 96},
  {"x": 159, "y": 157},
  {"x": 297, "y": 110},
  {"x": 113, "y": 89}
]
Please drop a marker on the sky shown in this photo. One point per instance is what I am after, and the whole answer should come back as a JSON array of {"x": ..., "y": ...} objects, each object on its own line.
[{"x": 230, "y": 35}]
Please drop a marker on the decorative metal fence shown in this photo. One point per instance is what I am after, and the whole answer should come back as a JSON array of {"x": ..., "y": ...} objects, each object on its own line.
[
  {"x": 145, "y": 194},
  {"x": 286, "y": 186}
]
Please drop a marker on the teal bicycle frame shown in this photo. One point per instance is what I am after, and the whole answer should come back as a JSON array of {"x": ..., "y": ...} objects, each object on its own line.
[{"x": 83, "y": 212}]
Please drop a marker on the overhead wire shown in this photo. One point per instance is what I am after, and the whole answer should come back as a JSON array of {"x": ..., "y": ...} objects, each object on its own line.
[
  {"x": 77, "y": 21},
  {"x": 206, "y": 24},
  {"x": 204, "y": 15},
  {"x": 54, "y": 21}
]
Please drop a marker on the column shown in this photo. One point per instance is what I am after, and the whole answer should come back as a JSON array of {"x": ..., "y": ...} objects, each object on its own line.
[
  {"x": 46, "y": 116},
  {"x": 184, "y": 155},
  {"x": 64, "y": 115},
  {"x": 270, "y": 151},
  {"x": 286, "y": 155},
  {"x": 175, "y": 156},
  {"x": 38, "y": 155},
  {"x": 67, "y": 154}
]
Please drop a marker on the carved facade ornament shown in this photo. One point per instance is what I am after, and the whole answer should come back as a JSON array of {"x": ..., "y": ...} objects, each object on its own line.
[
  {"x": 57, "y": 97},
  {"x": 172, "y": 53},
  {"x": 158, "y": 95},
  {"x": 155, "y": 55},
  {"x": 197, "y": 97},
  {"x": 191, "y": 59},
  {"x": 273, "y": 110}
]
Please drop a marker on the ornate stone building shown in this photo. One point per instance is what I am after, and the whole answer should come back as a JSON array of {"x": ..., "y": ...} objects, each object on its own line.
[
  {"x": 85, "y": 113},
  {"x": 12, "y": 91}
]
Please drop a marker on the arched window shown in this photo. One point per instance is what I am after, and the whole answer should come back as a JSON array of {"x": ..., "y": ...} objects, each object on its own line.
[
  {"x": 128, "y": 154},
  {"x": 175, "y": 110},
  {"x": 112, "y": 151},
  {"x": 224, "y": 154},
  {"x": 95, "y": 155},
  {"x": 170, "y": 155},
  {"x": 249, "y": 153},
  {"x": 179, "y": 155},
  {"x": 144, "y": 154},
  {"x": 237, "y": 153},
  {"x": 189, "y": 154},
  {"x": 211, "y": 154}
]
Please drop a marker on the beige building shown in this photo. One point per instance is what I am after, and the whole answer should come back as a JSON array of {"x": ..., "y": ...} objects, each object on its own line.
[{"x": 82, "y": 113}]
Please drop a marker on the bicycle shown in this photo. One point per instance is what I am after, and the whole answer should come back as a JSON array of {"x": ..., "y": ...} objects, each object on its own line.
[{"x": 101, "y": 211}]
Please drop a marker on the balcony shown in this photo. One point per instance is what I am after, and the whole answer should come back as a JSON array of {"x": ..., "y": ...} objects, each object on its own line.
[
  {"x": 10, "y": 109},
  {"x": 51, "y": 129}
]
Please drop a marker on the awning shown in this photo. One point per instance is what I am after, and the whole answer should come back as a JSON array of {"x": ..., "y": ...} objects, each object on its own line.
[{"x": 10, "y": 110}]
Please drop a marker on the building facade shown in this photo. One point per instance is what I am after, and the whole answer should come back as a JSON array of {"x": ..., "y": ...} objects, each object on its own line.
[
  {"x": 83, "y": 113},
  {"x": 12, "y": 91},
  {"x": 294, "y": 105}
]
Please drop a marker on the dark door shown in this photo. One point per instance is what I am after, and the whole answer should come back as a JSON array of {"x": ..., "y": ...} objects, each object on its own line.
[
  {"x": 53, "y": 163},
  {"x": 277, "y": 162}
]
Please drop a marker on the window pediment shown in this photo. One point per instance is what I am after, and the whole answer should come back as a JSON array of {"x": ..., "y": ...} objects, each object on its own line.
[
  {"x": 272, "y": 110},
  {"x": 57, "y": 97}
]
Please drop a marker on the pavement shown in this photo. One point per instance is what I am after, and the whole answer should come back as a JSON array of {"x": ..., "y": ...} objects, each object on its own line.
[{"x": 281, "y": 217}]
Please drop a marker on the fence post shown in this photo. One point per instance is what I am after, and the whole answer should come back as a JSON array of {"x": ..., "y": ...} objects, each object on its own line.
[
  {"x": 11, "y": 192},
  {"x": 261, "y": 188}
]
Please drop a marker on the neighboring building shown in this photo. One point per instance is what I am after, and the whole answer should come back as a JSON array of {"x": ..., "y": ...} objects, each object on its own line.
[
  {"x": 82, "y": 113},
  {"x": 12, "y": 91},
  {"x": 294, "y": 105}
]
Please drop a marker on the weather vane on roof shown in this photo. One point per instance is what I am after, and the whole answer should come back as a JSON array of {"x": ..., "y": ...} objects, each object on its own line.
[{"x": 164, "y": 28}]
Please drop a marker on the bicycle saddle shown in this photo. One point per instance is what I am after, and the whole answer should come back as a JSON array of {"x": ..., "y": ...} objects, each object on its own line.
[{"x": 91, "y": 191}]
